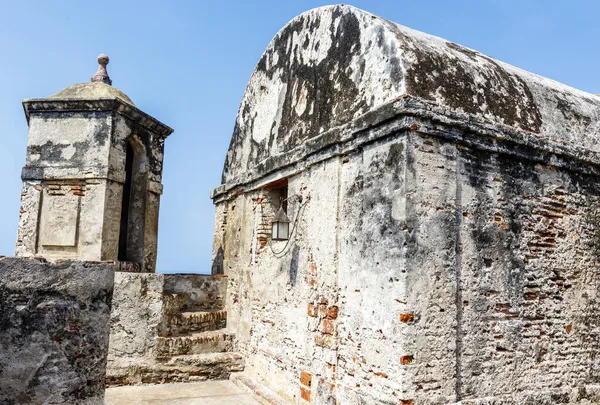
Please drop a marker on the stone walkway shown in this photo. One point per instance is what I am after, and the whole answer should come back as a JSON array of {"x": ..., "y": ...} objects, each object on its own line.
[{"x": 204, "y": 393}]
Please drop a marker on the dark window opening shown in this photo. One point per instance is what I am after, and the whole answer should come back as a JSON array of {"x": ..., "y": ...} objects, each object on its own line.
[
  {"x": 283, "y": 196},
  {"x": 279, "y": 222},
  {"x": 278, "y": 193},
  {"x": 125, "y": 203}
]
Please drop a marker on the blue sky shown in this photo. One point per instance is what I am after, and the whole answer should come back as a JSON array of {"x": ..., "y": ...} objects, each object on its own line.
[{"x": 187, "y": 63}]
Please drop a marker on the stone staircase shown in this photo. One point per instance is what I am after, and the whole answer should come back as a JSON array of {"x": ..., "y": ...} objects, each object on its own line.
[{"x": 193, "y": 342}]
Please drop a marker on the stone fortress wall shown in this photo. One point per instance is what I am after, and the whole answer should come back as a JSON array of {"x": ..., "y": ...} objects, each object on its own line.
[{"x": 446, "y": 222}]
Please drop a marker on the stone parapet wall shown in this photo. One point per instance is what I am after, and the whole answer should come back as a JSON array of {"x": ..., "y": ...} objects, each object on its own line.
[
  {"x": 54, "y": 331},
  {"x": 135, "y": 320}
]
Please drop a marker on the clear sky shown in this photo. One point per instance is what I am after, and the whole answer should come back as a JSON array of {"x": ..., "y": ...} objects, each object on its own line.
[{"x": 187, "y": 63}]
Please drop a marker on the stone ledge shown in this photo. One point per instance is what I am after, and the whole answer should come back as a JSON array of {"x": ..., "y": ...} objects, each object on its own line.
[
  {"x": 46, "y": 105},
  {"x": 407, "y": 113}
]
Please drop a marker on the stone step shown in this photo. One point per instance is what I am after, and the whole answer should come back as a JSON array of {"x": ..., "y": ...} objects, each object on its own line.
[
  {"x": 185, "y": 323},
  {"x": 262, "y": 394},
  {"x": 174, "y": 303},
  {"x": 189, "y": 368},
  {"x": 217, "y": 341}
]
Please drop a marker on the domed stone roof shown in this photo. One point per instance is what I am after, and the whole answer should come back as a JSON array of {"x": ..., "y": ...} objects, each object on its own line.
[
  {"x": 99, "y": 87},
  {"x": 92, "y": 91}
]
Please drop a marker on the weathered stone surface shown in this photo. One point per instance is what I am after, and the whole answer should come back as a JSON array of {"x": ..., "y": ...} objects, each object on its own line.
[
  {"x": 445, "y": 219},
  {"x": 136, "y": 318},
  {"x": 187, "y": 368},
  {"x": 78, "y": 198},
  {"x": 54, "y": 329},
  {"x": 195, "y": 343},
  {"x": 183, "y": 323},
  {"x": 333, "y": 65},
  {"x": 60, "y": 219}
]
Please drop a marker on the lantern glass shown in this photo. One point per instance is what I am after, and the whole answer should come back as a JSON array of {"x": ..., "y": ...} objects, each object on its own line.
[
  {"x": 281, "y": 230},
  {"x": 281, "y": 226},
  {"x": 284, "y": 230}
]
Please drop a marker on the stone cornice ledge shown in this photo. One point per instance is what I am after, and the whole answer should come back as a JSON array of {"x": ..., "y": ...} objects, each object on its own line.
[
  {"x": 410, "y": 113},
  {"x": 102, "y": 104},
  {"x": 29, "y": 173}
]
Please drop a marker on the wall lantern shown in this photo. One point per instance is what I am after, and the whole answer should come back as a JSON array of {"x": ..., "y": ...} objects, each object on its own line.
[{"x": 281, "y": 226}]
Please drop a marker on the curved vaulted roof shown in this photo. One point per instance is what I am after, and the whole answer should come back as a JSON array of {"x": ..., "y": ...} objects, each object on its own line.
[{"x": 331, "y": 65}]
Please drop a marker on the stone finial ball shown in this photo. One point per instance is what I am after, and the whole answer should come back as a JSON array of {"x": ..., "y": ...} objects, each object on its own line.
[{"x": 103, "y": 59}]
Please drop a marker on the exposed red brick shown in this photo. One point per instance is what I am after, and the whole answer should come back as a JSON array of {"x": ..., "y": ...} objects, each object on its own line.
[
  {"x": 305, "y": 394},
  {"x": 569, "y": 328},
  {"x": 305, "y": 378},
  {"x": 406, "y": 402},
  {"x": 406, "y": 359},
  {"x": 328, "y": 326},
  {"x": 380, "y": 374},
  {"x": 407, "y": 318},
  {"x": 313, "y": 310},
  {"x": 333, "y": 312}
]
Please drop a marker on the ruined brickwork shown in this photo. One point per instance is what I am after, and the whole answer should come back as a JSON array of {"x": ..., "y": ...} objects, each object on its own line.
[
  {"x": 54, "y": 328},
  {"x": 445, "y": 215}
]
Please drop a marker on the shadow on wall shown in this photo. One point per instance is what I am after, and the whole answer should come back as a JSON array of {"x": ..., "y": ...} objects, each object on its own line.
[
  {"x": 294, "y": 265},
  {"x": 217, "y": 264}
]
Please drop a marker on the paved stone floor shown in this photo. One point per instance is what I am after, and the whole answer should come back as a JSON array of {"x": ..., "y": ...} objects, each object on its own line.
[{"x": 204, "y": 393}]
